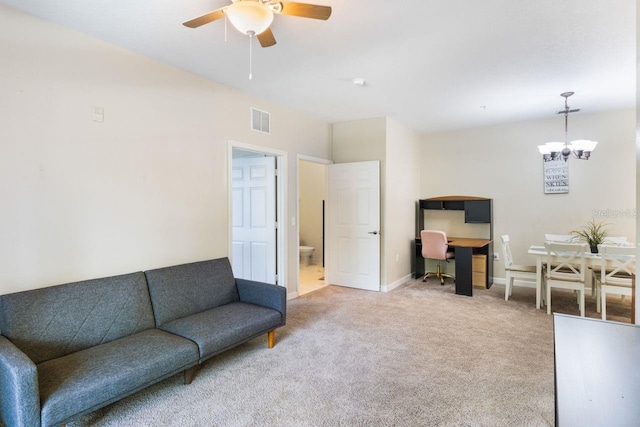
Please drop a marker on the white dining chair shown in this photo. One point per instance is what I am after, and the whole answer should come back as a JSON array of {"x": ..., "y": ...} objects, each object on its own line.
[
  {"x": 614, "y": 275},
  {"x": 565, "y": 269},
  {"x": 514, "y": 271}
]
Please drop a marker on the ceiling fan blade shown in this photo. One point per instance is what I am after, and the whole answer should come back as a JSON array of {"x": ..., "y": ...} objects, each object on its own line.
[
  {"x": 305, "y": 10},
  {"x": 205, "y": 19},
  {"x": 266, "y": 38}
]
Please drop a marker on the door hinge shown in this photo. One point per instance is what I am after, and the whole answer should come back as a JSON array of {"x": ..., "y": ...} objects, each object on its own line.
[
  {"x": 276, "y": 173},
  {"x": 276, "y": 223},
  {"x": 276, "y": 279}
]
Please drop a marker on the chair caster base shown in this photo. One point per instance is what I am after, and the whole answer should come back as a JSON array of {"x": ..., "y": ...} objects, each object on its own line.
[{"x": 438, "y": 274}]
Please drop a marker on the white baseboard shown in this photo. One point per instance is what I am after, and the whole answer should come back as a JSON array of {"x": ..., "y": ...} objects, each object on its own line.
[
  {"x": 392, "y": 286},
  {"x": 292, "y": 295}
]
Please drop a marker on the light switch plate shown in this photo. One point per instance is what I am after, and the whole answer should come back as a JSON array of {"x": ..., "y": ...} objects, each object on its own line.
[{"x": 97, "y": 113}]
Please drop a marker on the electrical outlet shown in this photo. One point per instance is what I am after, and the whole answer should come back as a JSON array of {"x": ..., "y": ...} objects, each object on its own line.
[
  {"x": 496, "y": 256},
  {"x": 397, "y": 258}
]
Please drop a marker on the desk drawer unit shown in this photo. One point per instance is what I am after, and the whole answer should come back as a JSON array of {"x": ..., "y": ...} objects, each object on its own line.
[{"x": 479, "y": 271}]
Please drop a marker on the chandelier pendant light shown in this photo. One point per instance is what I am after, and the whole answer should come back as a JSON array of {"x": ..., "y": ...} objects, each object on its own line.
[{"x": 580, "y": 149}]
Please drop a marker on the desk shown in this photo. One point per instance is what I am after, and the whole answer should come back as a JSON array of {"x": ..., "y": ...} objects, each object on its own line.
[
  {"x": 464, "y": 251},
  {"x": 541, "y": 252},
  {"x": 476, "y": 220},
  {"x": 596, "y": 372}
]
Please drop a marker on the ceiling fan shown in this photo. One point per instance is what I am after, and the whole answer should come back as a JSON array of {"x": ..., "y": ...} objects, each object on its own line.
[{"x": 254, "y": 17}]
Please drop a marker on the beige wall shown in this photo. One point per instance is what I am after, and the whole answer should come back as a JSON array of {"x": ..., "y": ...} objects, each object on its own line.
[
  {"x": 145, "y": 188},
  {"x": 402, "y": 190},
  {"x": 502, "y": 163},
  {"x": 312, "y": 194},
  {"x": 360, "y": 141}
]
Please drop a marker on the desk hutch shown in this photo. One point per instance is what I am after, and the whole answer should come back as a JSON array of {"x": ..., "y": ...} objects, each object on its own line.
[{"x": 473, "y": 256}]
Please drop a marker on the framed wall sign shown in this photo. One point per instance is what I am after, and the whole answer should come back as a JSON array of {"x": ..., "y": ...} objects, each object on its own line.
[{"x": 556, "y": 177}]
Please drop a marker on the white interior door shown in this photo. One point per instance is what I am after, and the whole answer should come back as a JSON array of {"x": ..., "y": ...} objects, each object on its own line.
[
  {"x": 354, "y": 225},
  {"x": 254, "y": 218}
]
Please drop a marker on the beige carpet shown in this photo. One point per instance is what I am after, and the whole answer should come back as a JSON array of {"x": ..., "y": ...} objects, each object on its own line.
[{"x": 417, "y": 356}]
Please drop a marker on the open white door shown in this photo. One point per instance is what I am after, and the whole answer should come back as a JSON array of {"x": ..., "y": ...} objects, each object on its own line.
[
  {"x": 254, "y": 218},
  {"x": 354, "y": 225}
]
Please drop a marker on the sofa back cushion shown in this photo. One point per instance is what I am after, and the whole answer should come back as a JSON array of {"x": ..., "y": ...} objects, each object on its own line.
[
  {"x": 192, "y": 288},
  {"x": 52, "y": 322}
]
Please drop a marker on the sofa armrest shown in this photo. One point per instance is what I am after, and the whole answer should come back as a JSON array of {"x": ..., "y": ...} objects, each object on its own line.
[
  {"x": 19, "y": 395},
  {"x": 263, "y": 294}
]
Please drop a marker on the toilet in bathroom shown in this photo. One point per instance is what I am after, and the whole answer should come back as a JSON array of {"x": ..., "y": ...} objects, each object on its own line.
[{"x": 305, "y": 254}]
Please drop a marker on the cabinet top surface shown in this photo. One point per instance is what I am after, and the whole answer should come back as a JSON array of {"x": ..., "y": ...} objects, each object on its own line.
[
  {"x": 601, "y": 388},
  {"x": 454, "y": 198}
]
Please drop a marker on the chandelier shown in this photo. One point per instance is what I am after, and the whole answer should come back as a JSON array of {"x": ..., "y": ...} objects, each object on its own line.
[{"x": 580, "y": 148}]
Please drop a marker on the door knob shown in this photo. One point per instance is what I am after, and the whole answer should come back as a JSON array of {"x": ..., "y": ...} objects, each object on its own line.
[{"x": 372, "y": 232}]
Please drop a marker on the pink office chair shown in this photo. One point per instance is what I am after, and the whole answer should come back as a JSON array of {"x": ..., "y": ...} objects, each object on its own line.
[{"x": 434, "y": 246}]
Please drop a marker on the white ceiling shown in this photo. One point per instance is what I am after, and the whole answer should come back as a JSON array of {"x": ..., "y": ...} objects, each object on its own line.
[{"x": 430, "y": 64}]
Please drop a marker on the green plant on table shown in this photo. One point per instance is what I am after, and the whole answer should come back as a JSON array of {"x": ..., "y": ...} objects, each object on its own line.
[{"x": 593, "y": 233}]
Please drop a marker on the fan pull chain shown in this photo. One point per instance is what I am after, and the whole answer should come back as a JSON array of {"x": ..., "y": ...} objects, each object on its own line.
[{"x": 251, "y": 34}]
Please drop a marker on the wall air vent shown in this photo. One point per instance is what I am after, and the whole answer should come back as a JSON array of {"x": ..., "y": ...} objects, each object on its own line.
[{"x": 260, "y": 121}]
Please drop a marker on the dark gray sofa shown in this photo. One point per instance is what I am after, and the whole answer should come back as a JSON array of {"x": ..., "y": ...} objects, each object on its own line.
[{"x": 68, "y": 350}]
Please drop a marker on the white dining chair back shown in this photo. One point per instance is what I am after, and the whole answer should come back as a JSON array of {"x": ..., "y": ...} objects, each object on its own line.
[
  {"x": 506, "y": 251},
  {"x": 617, "y": 265},
  {"x": 565, "y": 261},
  {"x": 565, "y": 238},
  {"x": 565, "y": 269},
  {"x": 616, "y": 240},
  {"x": 514, "y": 271}
]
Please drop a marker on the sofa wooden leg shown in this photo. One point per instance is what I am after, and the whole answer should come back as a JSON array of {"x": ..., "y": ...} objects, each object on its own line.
[
  {"x": 190, "y": 374},
  {"x": 271, "y": 338}
]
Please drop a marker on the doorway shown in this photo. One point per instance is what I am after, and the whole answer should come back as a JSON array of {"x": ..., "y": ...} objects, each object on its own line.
[
  {"x": 255, "y": 206},
  {"x": 312, "y": 183}
]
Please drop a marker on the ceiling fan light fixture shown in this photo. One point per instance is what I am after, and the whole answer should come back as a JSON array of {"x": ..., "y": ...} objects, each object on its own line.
[{"x": 250, "y": 17}]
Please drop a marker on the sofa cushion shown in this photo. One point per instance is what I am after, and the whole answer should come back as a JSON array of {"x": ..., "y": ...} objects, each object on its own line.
[
  {"x": 52, "y": 322},
  {"x": 226, "y": 326},
  {"x": 90, "y": 379},
  {"x": 187, "y": 289}
]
